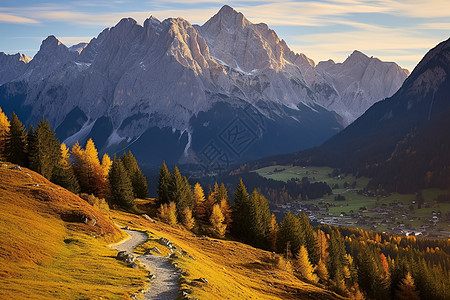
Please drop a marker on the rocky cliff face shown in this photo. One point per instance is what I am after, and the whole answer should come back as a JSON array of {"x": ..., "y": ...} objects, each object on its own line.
[{"x": 136, "y": 84}]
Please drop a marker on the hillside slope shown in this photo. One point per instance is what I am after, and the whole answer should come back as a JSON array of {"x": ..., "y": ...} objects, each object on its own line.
[
  {"x": 232, "y": 270},
  {"x": 51, "y": 247}
]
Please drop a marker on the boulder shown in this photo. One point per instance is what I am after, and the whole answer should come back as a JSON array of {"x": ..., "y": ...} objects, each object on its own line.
[
  {"x": 148, "y": 218},
  {"x": 17, "y": 168}
]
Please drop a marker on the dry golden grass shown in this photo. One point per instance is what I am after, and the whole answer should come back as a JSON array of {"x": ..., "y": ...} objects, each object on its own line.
[
  {"x": 233, "y": 270},
  {"x": 46, "y": 252}
]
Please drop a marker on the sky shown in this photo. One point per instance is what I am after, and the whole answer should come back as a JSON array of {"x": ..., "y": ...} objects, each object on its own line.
[{"x": 392, "y": 30}]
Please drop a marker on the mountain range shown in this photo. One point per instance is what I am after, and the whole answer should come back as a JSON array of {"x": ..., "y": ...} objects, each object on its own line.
[
  {"x": 223, "y": 92},
  {"x": 402, "y": 143}
]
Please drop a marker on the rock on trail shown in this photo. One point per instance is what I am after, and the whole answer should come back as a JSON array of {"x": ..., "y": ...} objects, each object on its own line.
[{"x": 165, "y": 284}]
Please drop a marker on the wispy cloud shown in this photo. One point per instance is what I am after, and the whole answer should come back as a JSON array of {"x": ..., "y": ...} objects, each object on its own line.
[{"x": 8, "y": 18}]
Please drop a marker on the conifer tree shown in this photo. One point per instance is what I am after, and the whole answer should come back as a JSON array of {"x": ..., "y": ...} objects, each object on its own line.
[
  {"x": 199, "y": 203},
  {"x": 290, "y": 231},
  {"x": 322, "y": 271},
  {"x": 217, "y": 219},
  {"x": 310, "y": 238},
  {"x": 241, "y": 211},
  {"x": 106, "y": 164},
  {"x": 259, "y": 218},
  {"x": 164, "y": 182},
  {"x": 121, "y": 188},
  {"x": 226, "y": 212},
  {"x": 187, "y": 219},
  {"x": 33, "y": 149},
  {"x": 4, "y": 130},
  {"x": 407, "y": 289},
  {"x": 63, "y": 173},
  {"x": 15, "y": 142},
  {"x": 138, "y": 179},
  {"x": 172, "y": 214},
  {"x": 304, "y": 265},
  {"x": 273, "y": 233},
  {"x": 44, "y": 150},
  {"x": 180, "y": 190}
]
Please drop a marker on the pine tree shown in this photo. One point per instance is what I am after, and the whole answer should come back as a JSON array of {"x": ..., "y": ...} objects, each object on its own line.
[
  {"x": 63, "y": 173},
  {"x": 4, "y": 130},
  {"x": 180, "y": 190},
  {"x": 217, "y": 219},
  {"x": 407, "y": 289},
  {"x": 290, "y": 231},
  {"x": 33, "y": 149},
  {"x": 187, "y": 219},
  {"x": 241, "y": 211},
  {"x": 44, "y": 150},
  {"x": 164, "y": 182},
  {"x": 140, "y": 187},
  {"x": 199, "y": 203},
  {"x": 15, "y": 142},
  {"x": 310, "y": 238},
  {"x": 121, "y": 188},
  {"x": 304, "y": 266},
  {"x": 259, "y": 218}
]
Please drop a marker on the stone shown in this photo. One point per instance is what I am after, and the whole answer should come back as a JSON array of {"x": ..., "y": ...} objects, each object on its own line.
[
  {"x": 148, "y": 218},
  {"x": 17, "y": 168},
  {"x": 133, "y": 265}
]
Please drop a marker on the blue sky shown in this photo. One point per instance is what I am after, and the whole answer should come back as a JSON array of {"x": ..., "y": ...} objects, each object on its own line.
[{"x": 392, "y": 30}]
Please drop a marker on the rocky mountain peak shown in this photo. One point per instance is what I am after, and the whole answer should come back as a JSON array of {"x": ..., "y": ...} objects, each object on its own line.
[{"x": 356, "y": 57}]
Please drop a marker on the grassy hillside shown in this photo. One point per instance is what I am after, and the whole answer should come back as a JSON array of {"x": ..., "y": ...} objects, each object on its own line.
[
  {"x": 233, "y": 270},
  {"x": 48, "y": 251}
]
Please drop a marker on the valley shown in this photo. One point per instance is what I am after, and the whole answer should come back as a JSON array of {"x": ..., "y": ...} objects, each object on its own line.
[{"x": 392, "y": 213}]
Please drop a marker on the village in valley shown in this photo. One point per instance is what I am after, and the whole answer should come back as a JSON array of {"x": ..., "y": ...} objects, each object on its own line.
[{"x": 352, "y": 205}]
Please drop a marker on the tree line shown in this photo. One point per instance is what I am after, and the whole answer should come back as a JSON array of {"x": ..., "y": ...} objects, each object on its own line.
[
  {"x": 79, "y": 169},
  {"x": 354, "y": 263}
]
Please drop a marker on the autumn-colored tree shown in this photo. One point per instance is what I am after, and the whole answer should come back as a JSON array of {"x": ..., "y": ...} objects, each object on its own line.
[
  {"x": 322, "y": 271},
  {"x": 63, "y": 173},
  {"x": 218, "y": 227},
  {"x": 407, "y": 289},
  {"x": 322, "y": 245},
  {"x": 4, "y": 130},
  {"x": 106, "y": 164},
  {"x": 310, "y": 238},
  {"x": 304, "y": 265},
  {"x": 172, "y": 213},
  {"x": 226, "y": 212},
  {"x": 385, "y": 266},
  {"x": 273, "y": 233},
  {"x": 15, "y": 142},
  {"x": 163, "y": 212},
  {"x": 199, "y": 203},
  {"x": 187, "y": 219},
  {"x": 89, "y": 171}
]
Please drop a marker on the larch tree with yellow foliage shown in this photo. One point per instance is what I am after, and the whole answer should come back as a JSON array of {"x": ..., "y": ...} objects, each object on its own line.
[
  {"x": 4, "y": 130},
  {"x": 89, "y": 171},
  {"x": 304, "y": 265},
  {"x": 63, "y": 173},
  {"x": 218, "y": 227},
  {"x": 168, "y": 213},
  {"x": 407, "y": 289},
  {"x": 187, "y": 219},
  {"x": 273, "y": 233},
  {"x": 199, "y": 203}
]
